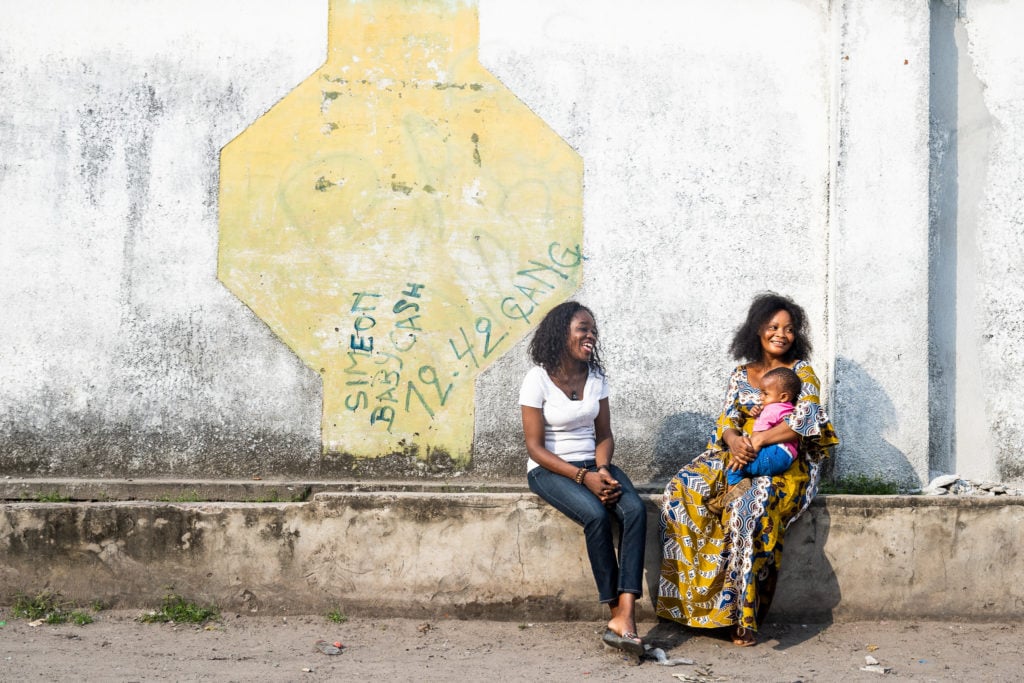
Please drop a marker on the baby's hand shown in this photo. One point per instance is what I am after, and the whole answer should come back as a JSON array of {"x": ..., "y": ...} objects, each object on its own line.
[{"x": 756, "y": 410}]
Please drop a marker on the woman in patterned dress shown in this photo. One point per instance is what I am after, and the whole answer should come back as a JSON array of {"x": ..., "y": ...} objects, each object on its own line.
[{"x": 721, "y": 571}]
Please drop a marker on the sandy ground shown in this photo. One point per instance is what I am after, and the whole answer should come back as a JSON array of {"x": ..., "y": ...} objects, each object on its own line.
[{"x": 117, "y": 647}]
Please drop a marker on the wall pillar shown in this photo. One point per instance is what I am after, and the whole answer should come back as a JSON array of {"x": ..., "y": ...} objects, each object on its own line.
[{"x": 879, "y": 239}]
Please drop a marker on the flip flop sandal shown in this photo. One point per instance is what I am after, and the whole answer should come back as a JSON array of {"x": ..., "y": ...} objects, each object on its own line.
[
  {"x": 743, "y": 637},
  {"x": 628, "y": 642}
]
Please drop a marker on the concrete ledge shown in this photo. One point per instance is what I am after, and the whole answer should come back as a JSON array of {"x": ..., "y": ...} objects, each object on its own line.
[
  {"x": 495, "y": 554},
  {"x": 236, "y": 490},
  {"x": 890, "y": 557}
]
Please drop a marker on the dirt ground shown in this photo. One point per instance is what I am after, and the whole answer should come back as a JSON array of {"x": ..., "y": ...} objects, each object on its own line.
[{"x": 117, "y": 647}]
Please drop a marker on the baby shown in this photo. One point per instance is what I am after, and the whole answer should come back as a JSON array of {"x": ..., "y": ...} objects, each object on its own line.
[{"x": 779, "y": 388}]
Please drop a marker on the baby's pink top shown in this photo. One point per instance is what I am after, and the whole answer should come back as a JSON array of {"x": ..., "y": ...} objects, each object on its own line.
[{"x": 771, "y": 415}]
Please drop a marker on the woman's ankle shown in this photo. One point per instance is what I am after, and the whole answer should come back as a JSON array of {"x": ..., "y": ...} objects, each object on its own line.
[{"x": 623, "y": 614}]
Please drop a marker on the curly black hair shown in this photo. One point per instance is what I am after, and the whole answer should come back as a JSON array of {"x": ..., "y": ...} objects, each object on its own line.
[
  {"x": 746, "y": 343},
  {"x": 549, "y": 340}
]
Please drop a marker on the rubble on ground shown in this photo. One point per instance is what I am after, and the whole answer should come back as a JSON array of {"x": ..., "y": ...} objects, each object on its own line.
[{"x": 953, "y": 484}]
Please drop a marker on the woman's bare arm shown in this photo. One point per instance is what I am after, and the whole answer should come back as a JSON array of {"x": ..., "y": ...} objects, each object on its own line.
[
  {"x": 610, "y": 489},
  {"x": 780, "y": 433},
  {"x": 603, "y": 434}
]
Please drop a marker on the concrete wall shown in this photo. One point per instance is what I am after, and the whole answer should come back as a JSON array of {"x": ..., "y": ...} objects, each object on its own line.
[
  {"x": 861, "y": 157},
  {"x": 880, "y": 218},
  {"x": 990, "y": 239},
  {"x": 500, "y": 555}
]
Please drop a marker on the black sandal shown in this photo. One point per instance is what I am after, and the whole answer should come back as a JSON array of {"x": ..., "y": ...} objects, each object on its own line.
[{"x": 628, "y": 642}]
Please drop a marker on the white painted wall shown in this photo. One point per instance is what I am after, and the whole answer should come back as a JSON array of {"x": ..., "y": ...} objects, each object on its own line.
[
  {"x": 990, "y": 419},
  {"x": 729, "y": 148},
  {"x": 120, "y": 350},
  {"x": 704, "y": 130},
  {"x": 880, "y": 246}
]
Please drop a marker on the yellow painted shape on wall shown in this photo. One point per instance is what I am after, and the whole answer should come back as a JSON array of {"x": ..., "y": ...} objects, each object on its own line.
[{"x": 400, "y": 220}]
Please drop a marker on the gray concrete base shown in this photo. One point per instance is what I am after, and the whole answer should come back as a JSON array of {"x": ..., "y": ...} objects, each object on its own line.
[{"x": 501, "y": 554}]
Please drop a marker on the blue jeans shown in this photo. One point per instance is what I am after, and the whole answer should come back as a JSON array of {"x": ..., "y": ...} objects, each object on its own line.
[
  {"x": 624, "y": 575},
  {"x": 770, "y": 460}
]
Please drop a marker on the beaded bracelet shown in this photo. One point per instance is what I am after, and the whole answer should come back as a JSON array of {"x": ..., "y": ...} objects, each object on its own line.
[{"x": 581, "y": 474}]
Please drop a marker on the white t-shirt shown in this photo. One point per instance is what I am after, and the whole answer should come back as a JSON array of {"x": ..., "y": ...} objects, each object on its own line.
[{"x": 568, "y": 424}]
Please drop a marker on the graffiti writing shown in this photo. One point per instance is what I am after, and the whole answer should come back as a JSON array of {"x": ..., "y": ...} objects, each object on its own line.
[
  {"x": 377, "y": 387},
  {"x": 539, "y": 279},
  {"x": 469, "y": 348},
  {"x": 380, "y": 384}
]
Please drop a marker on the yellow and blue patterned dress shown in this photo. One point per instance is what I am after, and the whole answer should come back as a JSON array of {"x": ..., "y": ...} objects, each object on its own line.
[{"x": 721, "y": 572}]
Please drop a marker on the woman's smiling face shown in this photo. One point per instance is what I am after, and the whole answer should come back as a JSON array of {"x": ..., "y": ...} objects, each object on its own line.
[
  {"x": 777, "y": 335},
  {"x": 582, "y": 337}
]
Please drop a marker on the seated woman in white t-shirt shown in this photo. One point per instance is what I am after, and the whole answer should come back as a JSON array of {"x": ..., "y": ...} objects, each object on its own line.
[{"x": 567, "y": 427}]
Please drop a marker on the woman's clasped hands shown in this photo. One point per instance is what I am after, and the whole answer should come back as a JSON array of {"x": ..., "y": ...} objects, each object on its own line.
[
  {"x": 741, "y": 448},
  {"x": 602, "y": 485}
]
